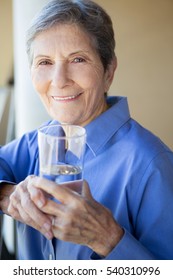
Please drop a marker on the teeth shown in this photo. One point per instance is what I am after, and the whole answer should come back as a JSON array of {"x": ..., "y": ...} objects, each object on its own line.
[{"x": 65, "y": 98}]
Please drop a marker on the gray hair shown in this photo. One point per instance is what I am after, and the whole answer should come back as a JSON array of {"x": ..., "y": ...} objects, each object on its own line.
[{"x": 88, "y": 15}]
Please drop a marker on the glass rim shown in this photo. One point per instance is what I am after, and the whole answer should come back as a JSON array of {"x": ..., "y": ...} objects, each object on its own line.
[{"x": 83, "y": 134}]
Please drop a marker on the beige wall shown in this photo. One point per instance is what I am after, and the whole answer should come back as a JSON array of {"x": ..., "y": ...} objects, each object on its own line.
[
  {"x": 144, "y": 35},
  {"x": 6, "y": 41}
]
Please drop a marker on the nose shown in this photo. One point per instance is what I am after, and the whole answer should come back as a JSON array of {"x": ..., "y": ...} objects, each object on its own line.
[{"x": 61, "y": 75}]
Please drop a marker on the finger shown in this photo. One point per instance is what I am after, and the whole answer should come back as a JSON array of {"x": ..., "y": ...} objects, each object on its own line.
[
  {"x": 61, "y": 192},
  {"x": 24, "y": 210},
  {"x": 43, "y": 227},
  {"x": 14, "y": 213},
  {"x": 34, "y": 217},
  {"x": 53, "y": 208},
  {"x": 37, "y": 195},
  {"x": 86, "y": 190}
]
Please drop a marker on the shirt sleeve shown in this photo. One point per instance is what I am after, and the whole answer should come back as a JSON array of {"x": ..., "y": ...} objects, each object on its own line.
[
  {"x": 17, "y": 160},
  {"x": 128, "y": 248},
  {"x": 152, "y": 221}
]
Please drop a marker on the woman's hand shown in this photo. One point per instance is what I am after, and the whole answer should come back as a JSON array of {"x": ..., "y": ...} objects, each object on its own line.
[
  {"x": 20, "y": 206},
  {"x": 78, "y": 218}
]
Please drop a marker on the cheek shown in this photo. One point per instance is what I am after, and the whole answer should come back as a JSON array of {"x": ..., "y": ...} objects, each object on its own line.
[
  {"x": 89, "y": 78},
  {"x": 94, "y": 95},
  {"x": 39, "y": 82}
]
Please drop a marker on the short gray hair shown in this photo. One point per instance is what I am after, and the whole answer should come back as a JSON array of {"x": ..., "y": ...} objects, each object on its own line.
[{"x": 88, "y": 15}]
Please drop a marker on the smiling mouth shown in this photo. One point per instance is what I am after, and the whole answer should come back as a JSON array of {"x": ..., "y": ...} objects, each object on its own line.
[{"x": 66, "y": 98}]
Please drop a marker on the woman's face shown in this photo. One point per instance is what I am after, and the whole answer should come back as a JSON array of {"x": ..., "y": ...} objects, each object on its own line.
[{"x": 68, "y": 75}]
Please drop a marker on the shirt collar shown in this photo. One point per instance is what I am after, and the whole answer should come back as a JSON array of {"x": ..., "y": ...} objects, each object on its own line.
[{"x": 101, "y": 129}]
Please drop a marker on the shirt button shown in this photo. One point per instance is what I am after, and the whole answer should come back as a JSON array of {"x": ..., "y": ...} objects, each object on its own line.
[{"x": 50, "y": 256}]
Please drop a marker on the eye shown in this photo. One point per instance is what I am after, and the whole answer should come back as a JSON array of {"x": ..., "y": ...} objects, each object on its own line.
[
  {"x": 44, "y": 62},
  {"x": 78, "y": 60}
]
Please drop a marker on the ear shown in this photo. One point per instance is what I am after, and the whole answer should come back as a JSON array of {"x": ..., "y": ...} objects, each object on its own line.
[{"x": 109, "y": 74}]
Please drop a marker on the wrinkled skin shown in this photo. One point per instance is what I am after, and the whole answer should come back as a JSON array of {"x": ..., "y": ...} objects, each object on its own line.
[{"x": 78, "y": 218}]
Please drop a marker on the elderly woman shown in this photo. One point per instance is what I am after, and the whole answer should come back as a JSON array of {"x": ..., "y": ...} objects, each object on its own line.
[{"x": 126, "y": 205}]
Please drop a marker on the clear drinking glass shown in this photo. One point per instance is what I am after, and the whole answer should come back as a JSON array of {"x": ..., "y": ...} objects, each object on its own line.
[{"x": 61, "y": 153}]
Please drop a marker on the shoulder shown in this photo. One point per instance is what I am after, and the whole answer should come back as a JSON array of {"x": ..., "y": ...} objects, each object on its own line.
[
  {"x": 147, "y": 156},
  {"x": 143, "y": 140}
]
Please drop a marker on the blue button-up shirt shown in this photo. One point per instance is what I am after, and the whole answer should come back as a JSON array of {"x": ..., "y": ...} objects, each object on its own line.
[{"x": 129, "y": 170}]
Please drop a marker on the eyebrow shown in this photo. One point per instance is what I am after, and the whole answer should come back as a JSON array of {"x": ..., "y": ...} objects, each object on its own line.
[
  {"x": 80, "y": 51},
  {"x": 41, "y": 55},
  {"x": 71, "y": 54}
]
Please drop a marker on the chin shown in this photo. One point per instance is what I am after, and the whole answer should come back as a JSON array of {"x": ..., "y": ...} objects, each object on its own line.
[{"x": 65, "y": 120}]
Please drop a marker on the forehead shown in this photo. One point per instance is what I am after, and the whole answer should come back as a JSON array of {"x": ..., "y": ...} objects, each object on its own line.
[{"x": 64, "y": 37}]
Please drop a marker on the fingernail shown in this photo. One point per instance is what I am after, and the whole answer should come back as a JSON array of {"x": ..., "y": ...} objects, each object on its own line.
[{"x": 40, "y": 203}]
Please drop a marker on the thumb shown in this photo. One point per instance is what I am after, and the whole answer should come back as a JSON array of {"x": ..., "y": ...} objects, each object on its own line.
[{"x": 86, "y": 190}]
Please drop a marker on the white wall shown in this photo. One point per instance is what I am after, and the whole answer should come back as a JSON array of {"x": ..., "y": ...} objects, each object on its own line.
[{"x": 29, "y": 111}]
